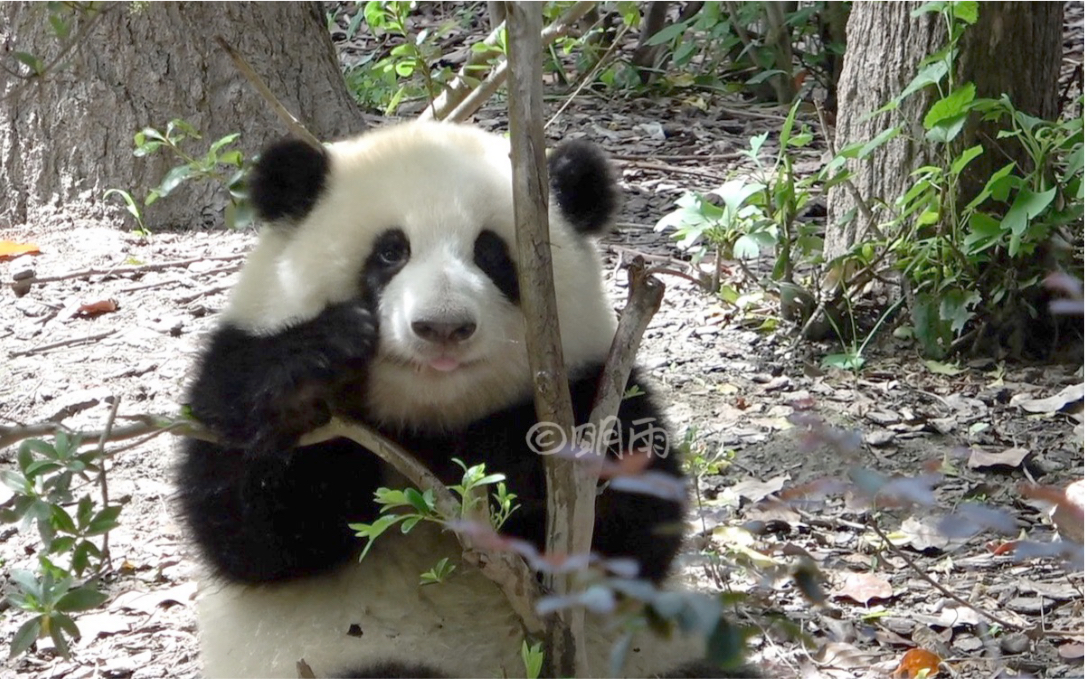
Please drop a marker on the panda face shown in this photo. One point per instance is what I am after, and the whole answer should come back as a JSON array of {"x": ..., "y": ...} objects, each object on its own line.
[{"x": 418, "y": 218}]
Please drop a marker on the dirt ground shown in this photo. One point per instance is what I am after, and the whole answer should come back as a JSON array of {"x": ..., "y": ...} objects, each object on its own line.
[{"x": 720, "y": 370}]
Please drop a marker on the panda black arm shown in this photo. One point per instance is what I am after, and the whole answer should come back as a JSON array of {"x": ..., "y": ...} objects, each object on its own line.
[
  {"x": 259, "y": 508},
  {"x": 261, "y": 392},
  {"x": 646, "y": 527}
]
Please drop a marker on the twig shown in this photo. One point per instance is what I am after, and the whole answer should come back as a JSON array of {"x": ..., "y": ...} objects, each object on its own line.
[
  {"x": 292, "y": 123},
  {"x": 185, "y": 299},
  {"x": 102, "y": 484},
  {"x": 471, "y": 100},
  {"x": 947, "y": 593},
  {"x": 644, "y": 295},
  {"x": 588, "y": 77},
  {"x": 480, "y": 95},
  {"x": 132, "y": 269},
  {"x": 663, "y": 167},
  {"x": 62, "y": 343},
  {"x": 145, "y": 424}
]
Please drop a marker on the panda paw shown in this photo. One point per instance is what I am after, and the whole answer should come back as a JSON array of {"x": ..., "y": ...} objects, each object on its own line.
[{"x": 260, "y": 393}]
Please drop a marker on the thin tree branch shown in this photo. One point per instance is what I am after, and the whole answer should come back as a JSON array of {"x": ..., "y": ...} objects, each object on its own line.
[{"x": 292, "y": 123}]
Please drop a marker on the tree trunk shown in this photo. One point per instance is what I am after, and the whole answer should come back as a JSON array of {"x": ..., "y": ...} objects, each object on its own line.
[
  {"x": 1014, "y": 49},
  {"x": 68, "y": 137}
]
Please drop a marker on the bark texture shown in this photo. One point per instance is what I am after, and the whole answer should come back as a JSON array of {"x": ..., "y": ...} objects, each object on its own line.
[
  {"x": 1014, "y": 49},
  {"x": 64, "y": 141}
]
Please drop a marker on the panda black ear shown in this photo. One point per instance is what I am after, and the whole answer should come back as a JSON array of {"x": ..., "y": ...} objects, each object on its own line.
[
  {"x": 582, "y": 183},
  {"x": 288, "y": 179}
]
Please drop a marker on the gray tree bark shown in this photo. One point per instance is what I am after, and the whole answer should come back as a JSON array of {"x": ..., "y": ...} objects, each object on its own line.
[
  {"x": 1013, "y": 49},
  {"x": 67, "y": 138}
]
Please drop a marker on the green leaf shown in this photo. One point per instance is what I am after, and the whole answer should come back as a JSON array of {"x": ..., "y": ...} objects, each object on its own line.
[
  {"x": 490, "y": 479},
  {"x": 745, "y": 248},
  {"x": 62, "y": 520},
  {"x": 25, "y": 636},
  {"x": 104, "y": 521},
  {"x": 847, "y": 362},
  {"x": 32, "y": 62},
  {"x": 81, "y": 599},
  {"x": 966, "y": 12},
  {"x": 172, "y": 179},
  {"x": 16, "y": 482},
  {"x": 1028, "y": 204},
  {"x": 927, "y": 8},
  {"x": 950, "y": 107},
  {"x": 984, "y": 232},
  {"x": 223, "y": 141},
  {"x": 667, "y": 33},
  {"x": 878, "y": 141},
  {"x": 955, "y": 306},
  {"x": 990, "y": 187},
  {"x": 964, "y": 159},
  {"x": 929, "y": 75},
  {"x": 947, "y": 130},
  {"x": 417, "y": 501}
]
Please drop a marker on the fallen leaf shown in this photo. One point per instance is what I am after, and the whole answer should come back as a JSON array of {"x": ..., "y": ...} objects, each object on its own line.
[
  {"x": 755, "y": 490},
  {"x": 1008, "y": 458},
  {"x": 918, "y": 661},
  {"x": 1071, "y": 650},
  {"x": 92, "y": 309},
  {"x": 147, "y": 602},
  {"x": 11, "y": 249},
  {"x": 942, "y": 368},
  {"x": 864, "y": 587},
  {"x": 1058, "y": 401}
]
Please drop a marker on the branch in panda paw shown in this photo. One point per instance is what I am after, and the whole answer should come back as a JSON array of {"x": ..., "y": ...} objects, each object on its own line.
[
  {"x": 645, "y": 293},
  {"x": 507, "y": 570}
]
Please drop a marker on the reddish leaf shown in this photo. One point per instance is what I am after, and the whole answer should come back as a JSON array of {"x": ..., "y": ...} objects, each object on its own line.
[
  {"x": 918, "y": 661},
  {"x": 92, "y": 309}
]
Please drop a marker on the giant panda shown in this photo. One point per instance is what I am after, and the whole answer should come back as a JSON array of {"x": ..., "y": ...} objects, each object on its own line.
[{"x": 384, "y": 289}]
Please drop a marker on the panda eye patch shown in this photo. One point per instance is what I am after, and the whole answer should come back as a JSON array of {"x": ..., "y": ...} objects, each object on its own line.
[{"x": 392, "y": 248}]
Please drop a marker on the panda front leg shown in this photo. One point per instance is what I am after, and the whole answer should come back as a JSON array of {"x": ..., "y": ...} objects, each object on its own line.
[{"x": 260, "y": 508}]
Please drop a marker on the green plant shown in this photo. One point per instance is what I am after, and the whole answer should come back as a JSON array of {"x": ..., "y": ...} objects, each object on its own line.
[
  {"x": 735, "y": 229},
  {"x": 405, "y": 73},
  {"x": 221, "y": 163},
  {"x": 533, "y": 658},
  {"x": 132, "y": 207},
  {"x": 969, "y": 259},
  {"x": 46, "y": 485},
  {"x": 412, "y": 506},
  {"x": 784, "y": 196}
]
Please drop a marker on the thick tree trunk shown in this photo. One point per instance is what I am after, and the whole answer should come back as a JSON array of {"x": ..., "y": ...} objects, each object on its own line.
[
  {"x": 66, "y": 140},
  {"x": 1014, "y": 49}
]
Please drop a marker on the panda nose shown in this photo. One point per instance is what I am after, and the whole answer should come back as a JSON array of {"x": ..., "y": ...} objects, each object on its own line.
[{"x": 444, "y": 332}]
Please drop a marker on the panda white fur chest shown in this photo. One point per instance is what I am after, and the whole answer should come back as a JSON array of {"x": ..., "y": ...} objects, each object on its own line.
[{"x": 383, "y": 288}]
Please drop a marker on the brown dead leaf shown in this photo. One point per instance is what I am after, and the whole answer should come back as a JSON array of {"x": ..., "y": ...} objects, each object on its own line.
[
  {"x": 864, "y": 587},
  {"x": 1008, "y": 458},
  {"x": 93, "y": 309},
  {"x": 10, "y": 249},
  {"x": 918, "y": 661}
]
